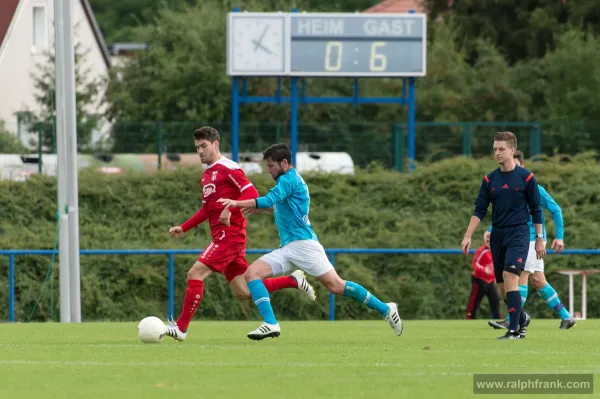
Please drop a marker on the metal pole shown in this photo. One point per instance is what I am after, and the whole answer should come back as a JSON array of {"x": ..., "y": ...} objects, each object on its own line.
[
  {"x": 294, "y": 121},
  {"x": 171, "y": 285},
  {"x": 235, "y": 118},
  {"x": 331, "y": 295},
  {"x": 571, "y": 299},
  {"x": 411, "y": 123},
  {"x": 583, "y": 296},
  {"x": 11, "y": 288},
  {"x": 72, "y": 161},
  {"x": 61, "y": 162}
]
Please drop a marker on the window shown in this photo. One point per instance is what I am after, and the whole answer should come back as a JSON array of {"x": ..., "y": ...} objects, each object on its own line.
[{"x": 40, "y": 37}]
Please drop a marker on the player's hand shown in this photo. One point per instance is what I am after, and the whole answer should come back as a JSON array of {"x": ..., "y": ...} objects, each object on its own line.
[
  {"x": 540, "y": 249},
  {"x": 466, "y": 245},
  {"x": 251, "y": 211},
  {"x": 486, "y": 238},
  {"x": 227, "y": 202},
  {"x": 558, "y": 245},
  {"x": 176, "y": 231},
  {"x": 225, "y": 216}
]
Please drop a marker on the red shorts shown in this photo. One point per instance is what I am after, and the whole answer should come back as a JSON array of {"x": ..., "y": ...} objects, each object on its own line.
[{"x": 227, "y": 258}]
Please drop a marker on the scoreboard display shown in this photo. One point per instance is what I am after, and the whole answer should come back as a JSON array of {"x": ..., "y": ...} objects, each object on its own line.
[{"x": 326, "y": 44}]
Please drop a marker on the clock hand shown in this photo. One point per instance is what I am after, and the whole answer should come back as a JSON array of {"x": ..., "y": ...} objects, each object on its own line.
[
  {"x": 260, "y": 39},
  {"x": 259, "y": 45}
]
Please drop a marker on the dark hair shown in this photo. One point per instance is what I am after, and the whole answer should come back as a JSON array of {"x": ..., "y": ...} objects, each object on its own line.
[
  {"x": 278, "y": 152},
  {"x": 519, "y": 155},
  {"x": 509, "y": 137},
  {"x": 207, "y": 133}
]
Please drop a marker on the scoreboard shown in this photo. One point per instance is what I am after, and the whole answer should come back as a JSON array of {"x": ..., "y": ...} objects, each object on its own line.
[{"x": 326, "y": 44}]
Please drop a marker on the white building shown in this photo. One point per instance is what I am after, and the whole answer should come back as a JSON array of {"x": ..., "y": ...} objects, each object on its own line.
[{"x": 26, "y": 35}]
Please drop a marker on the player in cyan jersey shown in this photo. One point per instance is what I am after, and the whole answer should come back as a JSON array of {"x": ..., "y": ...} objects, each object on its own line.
[
  {"x": 535, "y": 267},
  {"x": 299, "y": 246}
]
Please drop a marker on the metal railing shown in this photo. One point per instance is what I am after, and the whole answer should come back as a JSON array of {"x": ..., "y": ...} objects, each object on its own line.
[{"x": 331, "y": 253}]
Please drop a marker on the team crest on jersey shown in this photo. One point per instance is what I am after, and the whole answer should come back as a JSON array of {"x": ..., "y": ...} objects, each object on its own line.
[
  {"x": 214, "y": 175},
  {"x": 209, "y": 189}
]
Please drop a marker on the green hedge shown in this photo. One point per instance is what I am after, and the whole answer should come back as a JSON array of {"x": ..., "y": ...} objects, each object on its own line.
[{"x": 429, "y": 208}]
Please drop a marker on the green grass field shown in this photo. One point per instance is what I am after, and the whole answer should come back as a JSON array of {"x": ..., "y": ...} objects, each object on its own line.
[{"x": 342, "y": 359}]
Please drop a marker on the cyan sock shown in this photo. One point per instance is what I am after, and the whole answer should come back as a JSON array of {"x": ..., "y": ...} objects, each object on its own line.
[
  {"x": 549, "y": 295},
  {"x": 261, "y": 298},
  {"x": 360, "y": 294},
  {"x": 523, "y": 289}
]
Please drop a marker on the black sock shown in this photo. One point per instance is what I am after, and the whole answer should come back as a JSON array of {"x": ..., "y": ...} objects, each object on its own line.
[{"x": 513, "y": 302}]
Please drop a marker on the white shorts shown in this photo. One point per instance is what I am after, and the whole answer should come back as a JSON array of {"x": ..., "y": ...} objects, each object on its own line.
[
  {"x": 307, "y": 255},
  {"x": 534, "y": 264}
]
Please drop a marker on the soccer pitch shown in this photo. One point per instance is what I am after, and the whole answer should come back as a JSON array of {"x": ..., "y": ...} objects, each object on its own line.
[{"x": 342, "y": 359}]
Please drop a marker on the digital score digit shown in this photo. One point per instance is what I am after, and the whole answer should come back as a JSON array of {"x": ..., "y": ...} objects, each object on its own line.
[{"x": 358, "y": 45}]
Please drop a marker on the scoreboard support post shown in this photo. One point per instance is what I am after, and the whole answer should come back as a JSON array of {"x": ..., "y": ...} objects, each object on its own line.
[{"x": 262, "y": 44}]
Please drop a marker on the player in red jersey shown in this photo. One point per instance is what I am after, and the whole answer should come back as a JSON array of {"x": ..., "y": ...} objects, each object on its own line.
[
  {"x": 484, "y": 283},
  {"x": 222, "y": 178}
]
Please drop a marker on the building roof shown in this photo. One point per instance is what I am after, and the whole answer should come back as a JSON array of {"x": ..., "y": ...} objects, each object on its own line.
[
  {"x": 8, "y": 9},
  {"x": 397, "y": 6}
]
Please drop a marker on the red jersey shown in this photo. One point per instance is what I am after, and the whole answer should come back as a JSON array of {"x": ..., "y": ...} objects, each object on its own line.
[
  {"x": 223, "y": 179},
  {"x": 483, "y": 266}
]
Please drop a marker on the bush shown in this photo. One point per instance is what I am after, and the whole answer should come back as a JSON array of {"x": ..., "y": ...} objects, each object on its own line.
[{"x": 429, "y": 208}]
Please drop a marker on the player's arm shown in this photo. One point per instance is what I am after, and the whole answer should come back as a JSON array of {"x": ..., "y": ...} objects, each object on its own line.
[
  {"x": 277, "y": 194},
  {"x": 532, "y": 196},
  {"x": 548, "y": 202},
  {"x": 247, "y": 189},
  {"x": 481, "y": 206},
  {"x": 199, "y": 217},
  {"x": 238, "y": 180}
]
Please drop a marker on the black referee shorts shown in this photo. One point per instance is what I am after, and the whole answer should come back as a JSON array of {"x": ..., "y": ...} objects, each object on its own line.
[{"x": 509, "y": 246}]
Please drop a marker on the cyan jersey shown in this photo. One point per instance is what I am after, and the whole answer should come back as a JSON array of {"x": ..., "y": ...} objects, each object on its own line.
[
  {"x": 291, "y": 202},
  {"x": 547, "y": 202}
]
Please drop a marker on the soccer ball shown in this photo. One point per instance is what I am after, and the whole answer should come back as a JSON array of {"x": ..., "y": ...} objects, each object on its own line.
[{"x": 151, "y": 330}]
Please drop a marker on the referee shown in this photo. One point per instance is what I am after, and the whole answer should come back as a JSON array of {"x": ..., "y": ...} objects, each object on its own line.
[{"x": 511, "y": 189}]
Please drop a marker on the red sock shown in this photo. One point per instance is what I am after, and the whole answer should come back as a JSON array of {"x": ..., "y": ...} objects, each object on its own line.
[
  {"x": 278, "y": 283},
  {"x": 191, "y": 301}
]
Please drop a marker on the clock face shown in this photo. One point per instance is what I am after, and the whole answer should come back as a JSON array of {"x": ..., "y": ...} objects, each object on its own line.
[{"x": 257, "y": 44}]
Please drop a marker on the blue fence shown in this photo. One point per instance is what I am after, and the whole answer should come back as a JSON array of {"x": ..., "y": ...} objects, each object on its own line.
[{"x": 331, "y": 253}]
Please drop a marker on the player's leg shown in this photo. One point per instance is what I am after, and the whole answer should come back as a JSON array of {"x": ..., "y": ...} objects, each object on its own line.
[
  {"x": 531, "y": 265},
  {"x": 517, "y": 249},
  {"x": 498, "y": 255},
  {"x": 549, "y": 295},
  {"x": 477, "y": 291},
  {"x": 273, "y": 263},
  {"x": 310, "y": 256},
  {"x": 193, "y": 296},
  {"x": 235, "y": 276},
  {"x": 494, "y": 300},
  {"x": 350, "y": 289}
]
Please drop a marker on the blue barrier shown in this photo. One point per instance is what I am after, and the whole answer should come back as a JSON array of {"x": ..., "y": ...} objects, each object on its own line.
[{"x": 331, "y": 253}]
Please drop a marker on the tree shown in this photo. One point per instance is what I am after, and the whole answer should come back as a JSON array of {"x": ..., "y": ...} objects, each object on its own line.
[
  {"x": 87, "y": 92},
  {"x": 9, "y": 143}
]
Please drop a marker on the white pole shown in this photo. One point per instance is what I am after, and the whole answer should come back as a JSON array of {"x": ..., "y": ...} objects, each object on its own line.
[
  {"x": 72, "y": 164},
  {"x": 571, "y": 299},
  {"x": 61, "y": 160},
  {"x": 583, "y": 296}
]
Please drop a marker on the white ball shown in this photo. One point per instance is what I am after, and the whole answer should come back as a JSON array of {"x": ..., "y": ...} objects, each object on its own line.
[{"x": 151, "y": 330}]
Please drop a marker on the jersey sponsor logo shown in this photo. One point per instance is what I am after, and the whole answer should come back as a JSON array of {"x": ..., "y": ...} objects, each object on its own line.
[
  {"x": 209, "y": 189},
  {"x": 214, "y": 175},
  {"x": 505, "y": 186}
]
